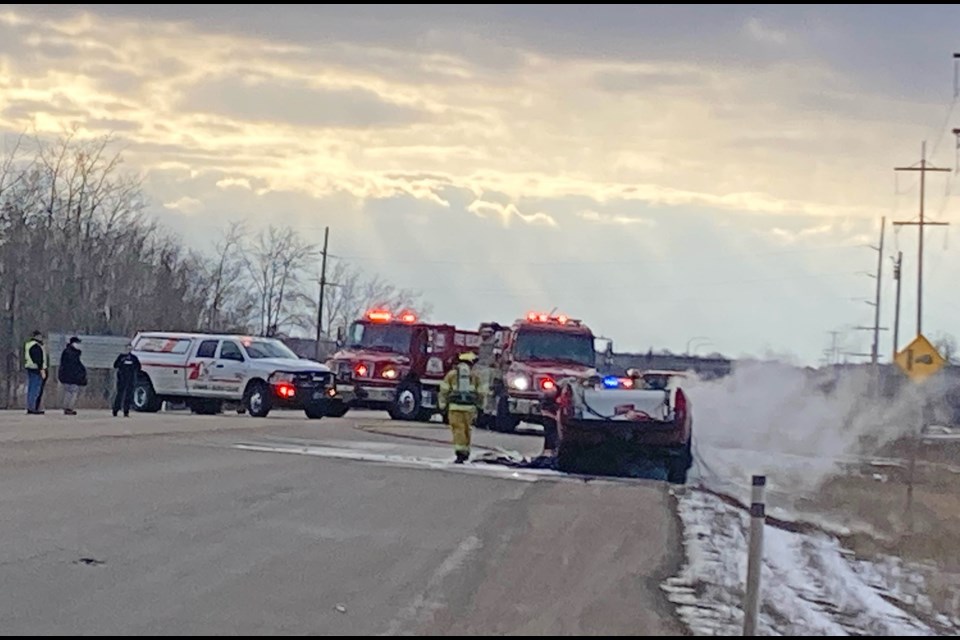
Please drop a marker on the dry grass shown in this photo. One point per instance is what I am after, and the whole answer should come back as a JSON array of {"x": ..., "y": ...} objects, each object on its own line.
[{"x": 874, "y": 503}]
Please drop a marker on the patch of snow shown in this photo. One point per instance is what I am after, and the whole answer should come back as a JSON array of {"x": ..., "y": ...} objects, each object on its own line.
[{"x": 810, "y": 585}]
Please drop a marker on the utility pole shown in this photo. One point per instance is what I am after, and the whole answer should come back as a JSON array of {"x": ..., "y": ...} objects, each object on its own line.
[
  {"x": 896, "y": 314},
  {"x": 923, "y": 168},
  {"x": 875, "y": 349},
  {"x": 834, "y": 349},
  {"x": 323, "y": 284}
]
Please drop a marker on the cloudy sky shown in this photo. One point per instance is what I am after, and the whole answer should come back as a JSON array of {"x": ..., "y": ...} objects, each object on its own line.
[{"x": 663, "y": 173}]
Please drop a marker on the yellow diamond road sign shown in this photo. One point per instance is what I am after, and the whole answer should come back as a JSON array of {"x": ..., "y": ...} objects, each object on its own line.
[{"x": 920, "y": 359}]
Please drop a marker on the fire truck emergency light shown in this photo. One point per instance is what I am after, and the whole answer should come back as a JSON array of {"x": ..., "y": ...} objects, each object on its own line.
[
  {"x": 379, "y": 316},
  {"x": 534, "y": 316},
  {"x": 409, "y": 317}
]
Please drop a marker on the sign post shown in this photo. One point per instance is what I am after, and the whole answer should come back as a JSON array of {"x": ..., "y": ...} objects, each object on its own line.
[{"x": 919, "y": 360}]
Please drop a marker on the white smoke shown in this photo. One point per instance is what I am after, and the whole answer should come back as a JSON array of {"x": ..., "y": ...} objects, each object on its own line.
[{"x": 777, "y": 419}]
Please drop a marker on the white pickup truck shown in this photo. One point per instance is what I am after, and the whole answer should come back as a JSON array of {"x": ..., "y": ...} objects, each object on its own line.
[{"x": 205, "y": 371}]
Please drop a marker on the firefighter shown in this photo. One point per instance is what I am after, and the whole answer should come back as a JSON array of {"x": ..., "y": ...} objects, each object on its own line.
[{"x": 460, "y": 397}]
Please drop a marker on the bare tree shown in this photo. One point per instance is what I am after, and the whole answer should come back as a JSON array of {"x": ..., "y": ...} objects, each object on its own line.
[
  {"x": 355, "y": 292},
  {"x": 946, "y": 344},
  {"x": 231, "y": 305},
  {"x": 78, "y": 252},
  {"x": 276, "y": 262}
]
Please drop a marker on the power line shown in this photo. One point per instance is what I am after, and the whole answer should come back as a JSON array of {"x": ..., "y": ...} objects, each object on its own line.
[
  {"x": 635, "y": 290},
  {"x": 577, "y": 263}
]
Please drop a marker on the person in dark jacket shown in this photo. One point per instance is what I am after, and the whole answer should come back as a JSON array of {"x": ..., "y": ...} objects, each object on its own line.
[
  {"x": 72, "y": 375},
  {"x": 128, "y": 369}
]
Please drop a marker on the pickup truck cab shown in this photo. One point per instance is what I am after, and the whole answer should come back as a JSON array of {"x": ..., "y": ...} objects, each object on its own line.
[{"x": 206, "y": 370}]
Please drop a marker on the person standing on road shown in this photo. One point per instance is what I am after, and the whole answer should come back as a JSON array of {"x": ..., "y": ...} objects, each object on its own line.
[
  {"x": 128, "y": 368},
  {"x": 35, "y": 363},
  {"x": 72, "y": 375},
  {"x": 460, "y": 397}
]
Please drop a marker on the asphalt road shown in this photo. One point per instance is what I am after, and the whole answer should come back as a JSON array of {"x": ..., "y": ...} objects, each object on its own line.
[{"x": 172, "y": 524}]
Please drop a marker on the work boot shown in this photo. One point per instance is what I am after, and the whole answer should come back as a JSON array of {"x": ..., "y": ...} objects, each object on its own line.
[
  {"x": 69, "y": 412},
  {"x": 461, "y": 457}
]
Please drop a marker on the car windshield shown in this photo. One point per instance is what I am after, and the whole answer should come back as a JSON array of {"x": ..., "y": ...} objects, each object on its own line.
[
  {"x": 555, "y": 345},
  {"x": 258, "y": 349},
  {"x": 394, "y": 338}
]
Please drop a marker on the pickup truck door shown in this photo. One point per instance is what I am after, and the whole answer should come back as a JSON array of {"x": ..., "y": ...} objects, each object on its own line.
[
  {"x": 200, "y": 371},
  {"x": 230, "y": 371}
]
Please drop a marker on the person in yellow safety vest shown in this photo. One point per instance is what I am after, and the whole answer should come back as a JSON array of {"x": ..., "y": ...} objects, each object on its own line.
[
  {"x": 35, "y": 363},
  {"x": 460, "y": 397}
]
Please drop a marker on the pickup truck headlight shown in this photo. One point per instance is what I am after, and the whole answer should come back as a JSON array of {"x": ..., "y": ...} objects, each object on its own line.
[
  {"x": 520, "y": 383},
  {"x": 279, "y": 376}
]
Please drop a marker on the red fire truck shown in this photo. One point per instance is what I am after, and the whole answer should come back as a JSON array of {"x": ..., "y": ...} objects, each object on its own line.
[
  {"x": 395, "y": 362},
  {"x": 521, "y": 363}
]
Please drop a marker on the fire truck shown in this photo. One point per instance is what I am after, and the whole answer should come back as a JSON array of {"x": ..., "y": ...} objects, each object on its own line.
[
  {"x": 522, "y": 363},
  {"x": 395, "y": 363}
]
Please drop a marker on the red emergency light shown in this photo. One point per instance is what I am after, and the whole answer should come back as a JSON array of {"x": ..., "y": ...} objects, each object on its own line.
[
  {"x": 547, "y": 384},
  {"x": 379, "y": 315},
  {"x": 409, "y": 317},
  {"x": 360, "y": 370},
  {"x": 534, "y": 316},
  {"x": 286, "y": 391}
]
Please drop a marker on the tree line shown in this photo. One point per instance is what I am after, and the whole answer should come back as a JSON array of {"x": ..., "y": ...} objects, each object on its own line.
[{"x": 79, "y": 252}]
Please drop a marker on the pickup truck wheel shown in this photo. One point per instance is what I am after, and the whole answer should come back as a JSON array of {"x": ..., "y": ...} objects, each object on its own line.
[
  {"x": 568, "y": 458},
  {"x": 257, "y": 400},
  {"x": 338, "y": 409},
  {"x": 679, "y": 465},
  {"x": 145, "y": 400},
  {"x": 314, "y": 412}
]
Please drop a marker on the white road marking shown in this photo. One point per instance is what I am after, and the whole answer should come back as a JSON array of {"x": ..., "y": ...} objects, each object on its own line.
[{"x": 420, "y": 457}]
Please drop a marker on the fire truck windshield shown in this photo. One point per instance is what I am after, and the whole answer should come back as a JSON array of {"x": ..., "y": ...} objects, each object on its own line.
[
  {"x": 394, "y": 338},
  {"x": 554, "y": 345}
]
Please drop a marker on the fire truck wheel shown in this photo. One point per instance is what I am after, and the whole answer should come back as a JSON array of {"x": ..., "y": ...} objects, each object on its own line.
[
  {"x": 504, "y": 422},
  {"x": 407, "y": 406}
]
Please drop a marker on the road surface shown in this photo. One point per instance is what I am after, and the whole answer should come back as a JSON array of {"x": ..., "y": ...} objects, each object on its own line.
[{"x": 175, "y": 524}]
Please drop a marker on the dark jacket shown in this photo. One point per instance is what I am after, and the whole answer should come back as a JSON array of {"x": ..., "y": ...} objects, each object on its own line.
[
  {"x": 127, "y": 366},
  {"x": 72, "y": 370}
]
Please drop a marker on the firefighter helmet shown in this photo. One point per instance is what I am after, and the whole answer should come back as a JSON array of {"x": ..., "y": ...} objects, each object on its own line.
[{"x": 469, "y": 356}]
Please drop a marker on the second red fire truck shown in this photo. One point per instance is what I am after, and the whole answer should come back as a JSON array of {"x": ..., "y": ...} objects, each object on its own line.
[{"x": 523, "y": 362}]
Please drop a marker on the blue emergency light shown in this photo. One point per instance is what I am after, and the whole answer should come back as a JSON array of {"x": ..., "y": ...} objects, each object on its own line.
[{"x": 611, "y": 382}]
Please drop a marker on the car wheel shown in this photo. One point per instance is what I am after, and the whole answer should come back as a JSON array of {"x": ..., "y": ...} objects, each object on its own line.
[{"x": 258, "y": 400}]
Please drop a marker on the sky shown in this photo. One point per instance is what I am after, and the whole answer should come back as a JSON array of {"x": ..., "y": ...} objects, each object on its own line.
[{"x": 703, "y": 177}]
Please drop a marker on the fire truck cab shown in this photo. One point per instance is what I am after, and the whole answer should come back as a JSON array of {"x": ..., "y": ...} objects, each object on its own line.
[
  {"x": 395, "y": 363},
  {"x": 522, "y": 363}
]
